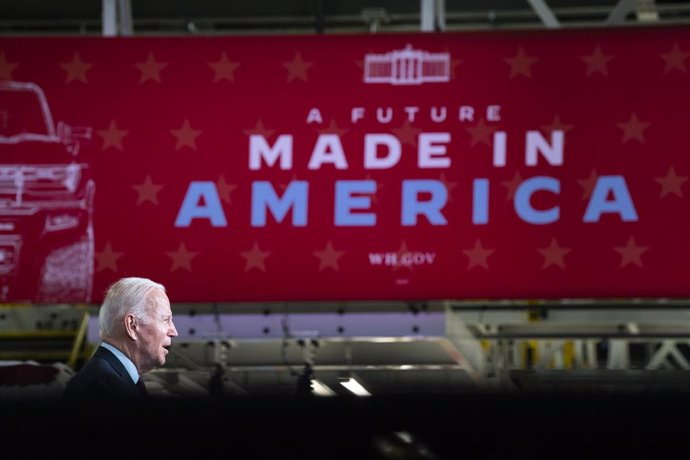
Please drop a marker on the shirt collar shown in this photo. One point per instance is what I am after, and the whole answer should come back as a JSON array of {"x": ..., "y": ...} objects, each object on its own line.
[{"x": 129, "y": 365}]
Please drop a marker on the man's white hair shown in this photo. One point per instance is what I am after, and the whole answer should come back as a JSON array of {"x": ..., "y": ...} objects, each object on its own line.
[{"x": 128, "y": 295}]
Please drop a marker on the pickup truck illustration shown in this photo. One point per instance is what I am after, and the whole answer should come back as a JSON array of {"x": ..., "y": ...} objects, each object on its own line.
[{"x": 46, "y": 202}]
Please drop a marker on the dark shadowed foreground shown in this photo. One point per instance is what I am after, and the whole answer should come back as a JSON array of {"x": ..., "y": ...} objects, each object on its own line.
[{"x": 492, "y": 426}]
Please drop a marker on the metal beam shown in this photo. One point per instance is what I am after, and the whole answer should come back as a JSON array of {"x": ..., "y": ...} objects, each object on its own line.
[
  {"x": 620, "y": 12},
  {"x": 109, "y": 18},
  {"x": 440, "y": 15},
  {"x": 545, "y": 14},
  {"x": 124, "y": 8},
  {"x": 432, "y": 15},
  {"x": 646, "y": 11},
  {"x": 426, "y": 15},
  {"x": 117, "y": 18}
]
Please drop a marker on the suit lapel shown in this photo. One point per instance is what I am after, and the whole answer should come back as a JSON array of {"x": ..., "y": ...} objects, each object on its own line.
[{"x": 115, "y": 363}]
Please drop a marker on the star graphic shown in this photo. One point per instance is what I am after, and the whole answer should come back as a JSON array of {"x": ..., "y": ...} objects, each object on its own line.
[
  {"x": 512, "y": 185},
  {"x": 556, "y": 125},
  {"x": 182, "y": 258},
  {"x": 186, "y": 136},
  {"x": 478, "y": 255},
  {"x": 329, "y": 257},
  {"x": 631, "y": 253},
  {"x": 449, "y": 186},
  {"x": 333, "y": 129},
  {"x": 481, "y": 133},
  {"x": 633, "y": 129},
  {"x": 6, "y": 67},
  {"x": 671, "y": 183},
  {"x": 224, "y": 69},
  {"x": 675, "y": 59},
  {"x": 112, "y": 136},
  {"x": 297, "y": 68},
  {"x": 224, "y": 189},
  {"x": 399, "y": 257},
  {"x": 520, "y": 64},
  {"x": 553, "y": 255},
  {"x": 407, "y": 134},
  {"x": 588, "y": 184},
  {"x": 147, "y": 190},
  {"x": 597, "y": 62},
  {"x": 76, "y": 69},
  {"x": 259, "y": 129},
  {"x": 150, "y": 69},
  {"x": 107, "y": 258},
  {"x": 256, "y": 258}
]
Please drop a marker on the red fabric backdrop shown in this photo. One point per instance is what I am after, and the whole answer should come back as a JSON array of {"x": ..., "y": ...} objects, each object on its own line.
[{"x": 172, "y": 119}]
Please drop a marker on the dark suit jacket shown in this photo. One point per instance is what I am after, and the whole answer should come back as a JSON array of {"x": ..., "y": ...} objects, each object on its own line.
[{"x": 102, "y": 377}]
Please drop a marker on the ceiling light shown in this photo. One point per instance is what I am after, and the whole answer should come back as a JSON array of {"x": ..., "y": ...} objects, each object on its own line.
[
  {"x": 320, "y": 389},
  {"x": 354, "y": 386}
]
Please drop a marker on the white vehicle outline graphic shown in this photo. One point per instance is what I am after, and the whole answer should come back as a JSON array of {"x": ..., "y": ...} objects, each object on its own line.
[{"x": 46, "y": 202}]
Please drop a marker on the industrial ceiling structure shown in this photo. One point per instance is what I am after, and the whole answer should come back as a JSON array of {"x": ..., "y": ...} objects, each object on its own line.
[
  {"x": 142, "y": 17},
  {"x": 392, "y": 348}
]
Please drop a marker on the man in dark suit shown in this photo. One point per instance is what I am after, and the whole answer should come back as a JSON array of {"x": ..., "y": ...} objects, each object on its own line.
[{"x": 136, "y": 328}]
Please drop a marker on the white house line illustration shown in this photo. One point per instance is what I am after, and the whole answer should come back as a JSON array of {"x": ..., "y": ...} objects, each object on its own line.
[{"x": 407, "y": 66}]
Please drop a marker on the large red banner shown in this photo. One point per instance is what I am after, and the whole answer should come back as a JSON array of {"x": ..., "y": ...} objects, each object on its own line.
[{"x": 541, "y": 164}]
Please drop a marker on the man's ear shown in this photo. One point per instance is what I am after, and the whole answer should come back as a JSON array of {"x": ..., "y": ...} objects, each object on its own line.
[{"x": 131, "y": 326}]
